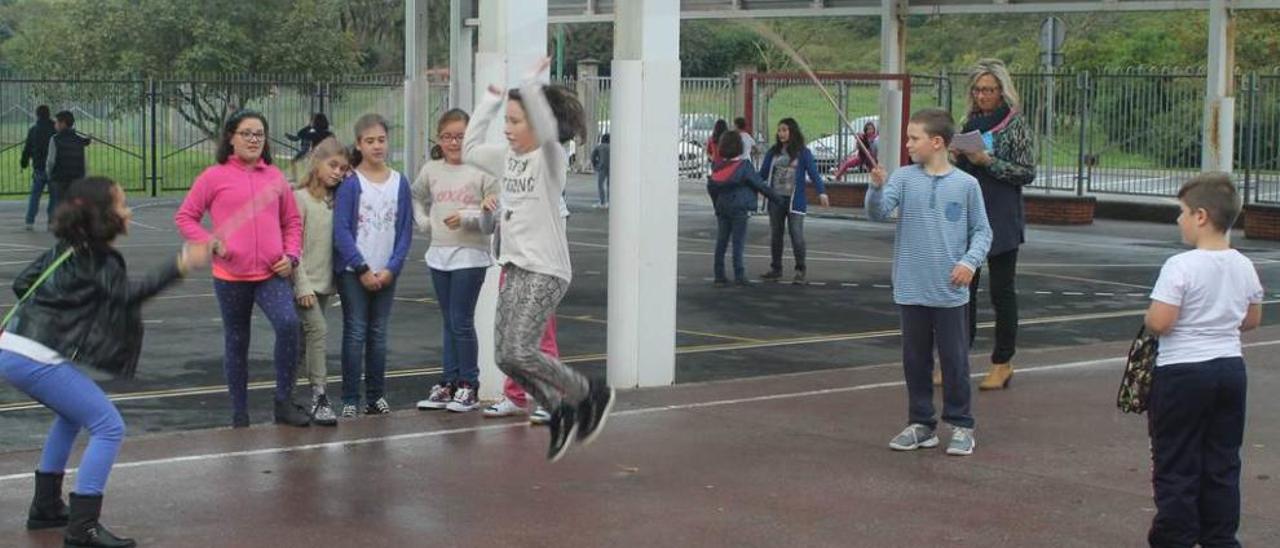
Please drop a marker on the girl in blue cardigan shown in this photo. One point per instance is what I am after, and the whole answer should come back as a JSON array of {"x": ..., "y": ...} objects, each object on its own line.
[
  {"x": 789, "y": 166},
  {"x": 372, "y": 231}
]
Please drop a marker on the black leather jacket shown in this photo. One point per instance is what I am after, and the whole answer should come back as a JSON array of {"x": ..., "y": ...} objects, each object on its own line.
[{"x": 88, "y": 310}]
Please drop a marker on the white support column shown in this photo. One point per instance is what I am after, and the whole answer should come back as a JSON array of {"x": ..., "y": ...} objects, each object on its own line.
[
  {"x": 893, "y": 39},
  {"x": 513, "y": 36},
  {"x": 643, "y": 214},
  {"x": 1218, "y": 142},
  {"x": 416, "y": 87},
  {"x": 461, "y": 55}
]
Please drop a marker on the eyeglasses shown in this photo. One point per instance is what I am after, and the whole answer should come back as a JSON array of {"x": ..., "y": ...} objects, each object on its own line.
[
  {"x": 252, "y": 136},
  {"x": 455, "y": 137},
  {"x": 985, "y": 90}
]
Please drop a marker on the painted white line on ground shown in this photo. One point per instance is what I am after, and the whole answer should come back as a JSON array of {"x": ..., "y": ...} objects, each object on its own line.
[{"x": 26, "y": 476}]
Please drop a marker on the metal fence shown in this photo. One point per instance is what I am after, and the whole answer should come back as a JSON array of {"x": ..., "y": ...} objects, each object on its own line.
[{"x": 156, "y": 135}]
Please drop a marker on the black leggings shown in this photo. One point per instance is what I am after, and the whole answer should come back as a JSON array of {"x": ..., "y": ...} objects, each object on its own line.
[{"x": 1004, "y": 298}]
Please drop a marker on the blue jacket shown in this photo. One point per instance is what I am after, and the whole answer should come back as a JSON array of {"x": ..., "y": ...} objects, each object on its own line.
[
  {"x": 346, "y": 212},
  {"x": 733, "y": 185},
  {"x": 806, "y": 166}
]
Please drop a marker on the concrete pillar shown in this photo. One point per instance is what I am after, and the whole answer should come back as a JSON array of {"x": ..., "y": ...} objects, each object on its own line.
[
  {"x": 893, "y": 40},
  {"x": 513, "y": 37},
  {"x": 416, "y": 87},
  {"x": 643, "y": 215},
  {"x": 588, "y": 91},
  {"x": 1218, "y": 142},
  {"x": 461, "y": 56}
]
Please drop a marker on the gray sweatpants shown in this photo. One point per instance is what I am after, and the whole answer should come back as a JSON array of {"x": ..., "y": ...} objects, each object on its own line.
[
  {"x": 525, "y": 302},
  {"x": 314, "y": 335}
]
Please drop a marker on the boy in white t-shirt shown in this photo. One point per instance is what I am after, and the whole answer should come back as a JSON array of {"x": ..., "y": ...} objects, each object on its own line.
[{"x": 1201, "y": 303}]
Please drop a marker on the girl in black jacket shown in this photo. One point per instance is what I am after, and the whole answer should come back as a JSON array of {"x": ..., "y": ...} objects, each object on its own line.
[{"x": 83, "y": 310}]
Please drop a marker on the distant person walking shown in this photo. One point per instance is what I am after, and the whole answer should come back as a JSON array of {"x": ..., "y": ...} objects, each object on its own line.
[
  {"x": 35, "y": 153},
  {"x": 66, "y": 161},
  {"x": 600, "y": 163}
]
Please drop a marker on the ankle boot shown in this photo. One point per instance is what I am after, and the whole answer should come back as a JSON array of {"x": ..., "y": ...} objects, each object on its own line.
[
  {"x": 84, "y": 529},
  {"x": 998, "y": 377},
  {"x": 289, "y": 413},
  {"x": 47, "y": 509}
]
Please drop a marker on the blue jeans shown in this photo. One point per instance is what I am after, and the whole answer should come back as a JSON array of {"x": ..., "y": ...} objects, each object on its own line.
[
  {"x": 602, "y": 186},
  {"x": 736, "y": 227},
  {"x": 275, "y": 297},
  {"x": 457, "y": 291},
  {"x": 39, "y": 180},
  {"x": 364, "y": 338},
  {"x": 78, "y": 403}
]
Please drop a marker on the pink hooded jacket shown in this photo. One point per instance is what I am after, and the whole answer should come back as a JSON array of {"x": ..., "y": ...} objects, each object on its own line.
[{"x": 254, "y": 206}]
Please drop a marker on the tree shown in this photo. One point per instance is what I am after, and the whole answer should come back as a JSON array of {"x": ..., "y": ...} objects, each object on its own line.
[{"x": 197, "y": 37}]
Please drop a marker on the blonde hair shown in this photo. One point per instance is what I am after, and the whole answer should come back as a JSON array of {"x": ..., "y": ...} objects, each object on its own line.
[
  {"x": 321, "y": 153},
  {"x": 997, "y": 70}
]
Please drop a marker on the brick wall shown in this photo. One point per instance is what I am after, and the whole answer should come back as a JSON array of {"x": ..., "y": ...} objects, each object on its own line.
[
  {"x": 841, "y": 194},
  {"x": 1059, "y": 210},
  {"x": 1262, "y": 222}
]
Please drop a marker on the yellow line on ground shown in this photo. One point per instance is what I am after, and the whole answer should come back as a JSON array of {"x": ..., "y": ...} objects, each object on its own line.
[{"x": 583, "y": 358}]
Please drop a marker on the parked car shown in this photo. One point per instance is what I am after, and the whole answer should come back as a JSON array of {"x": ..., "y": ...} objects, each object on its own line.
[
  {"x": 692, "y": 161},
  {"x": 829, "y": 151}
]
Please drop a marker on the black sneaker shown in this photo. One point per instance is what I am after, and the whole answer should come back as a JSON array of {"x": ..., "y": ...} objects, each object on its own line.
[
  {"x": 564, "y": 427},
  {"x": 594, "y": 411},
  {"x": 378, "y": 407},
  {"x": 289, "y": 413},
  {"x": 771, "y": 275},
  {"x": 240, "y": 420}
]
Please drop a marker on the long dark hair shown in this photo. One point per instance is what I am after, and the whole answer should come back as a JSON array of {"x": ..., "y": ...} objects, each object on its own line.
[
  {"x": 86, "y": 218},
  {"x": 453, "y": 115},
  {"x": 719, "y": 129},
  {"x": 229, "y": 129},
  {"x": 570, "y": 119},
  {"x": 794, "y": 144},
  {"x": 363, "y": 124}
]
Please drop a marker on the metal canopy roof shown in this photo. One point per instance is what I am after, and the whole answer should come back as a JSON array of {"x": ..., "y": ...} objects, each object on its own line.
[{"x": 588, "y": 11}]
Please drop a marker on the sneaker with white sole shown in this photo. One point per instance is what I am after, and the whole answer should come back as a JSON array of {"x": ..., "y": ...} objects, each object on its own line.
[
  {"x": 915, "y": 436},
  {"x": 349, "y": 411},
  {"x": 322, "y": 413},
  {"x": 539, "y": 416},
  {"x": 439, "y": 397},
  {"x": 962, "y": 442},
  {"x": 464, "y": 399},
  {"x": 505, "y": 408},
  {"x": 378, "y": 407}
]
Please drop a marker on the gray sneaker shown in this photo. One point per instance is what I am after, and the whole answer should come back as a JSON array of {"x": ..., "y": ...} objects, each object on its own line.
[
  {"x": 962, "y": 442},
  {"x": 914, "y": 437},
  {"x": 322, "y": 413},
  {"x": 349, "y": 411}
]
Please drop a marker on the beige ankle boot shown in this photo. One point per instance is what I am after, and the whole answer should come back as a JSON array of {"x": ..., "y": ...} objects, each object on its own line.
[{"x": 998, "y": 377}]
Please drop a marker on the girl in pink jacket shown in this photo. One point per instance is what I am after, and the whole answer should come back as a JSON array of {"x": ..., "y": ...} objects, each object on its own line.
[{"x": 257, "y": 240}]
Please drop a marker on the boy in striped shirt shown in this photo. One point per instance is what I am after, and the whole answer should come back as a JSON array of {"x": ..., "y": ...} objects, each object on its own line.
[{"x": 942, "y": 238}]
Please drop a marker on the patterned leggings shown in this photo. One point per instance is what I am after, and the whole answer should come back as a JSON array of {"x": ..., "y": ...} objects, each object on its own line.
[{"x": 525, "y": 302}]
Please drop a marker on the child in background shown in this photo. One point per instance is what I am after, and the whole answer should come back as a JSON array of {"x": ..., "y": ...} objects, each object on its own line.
[
  {"x": 313, "y": 285},
  {"x": 1201, "y": 303},
  {"x": 447, "y": 197},
  {"x": 733, "y": 186},
  {"x": 942, "y": 238},
  {"x": 372, "y": 232}
]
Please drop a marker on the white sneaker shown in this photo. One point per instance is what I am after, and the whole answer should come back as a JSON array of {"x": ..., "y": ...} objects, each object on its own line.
[
  {"x": 504, "y": 408},
  {"x": 464, "y": 399},
  {"x": 539, "y": 416}
]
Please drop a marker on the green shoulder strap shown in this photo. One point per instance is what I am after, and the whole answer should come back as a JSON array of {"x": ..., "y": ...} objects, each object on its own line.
[{"x": 43, "y": 276}]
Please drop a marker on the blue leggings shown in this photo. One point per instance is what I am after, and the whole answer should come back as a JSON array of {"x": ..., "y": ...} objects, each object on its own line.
[
  {"x": 78, "y": 403},
  {"x": 275, "y": 297}
]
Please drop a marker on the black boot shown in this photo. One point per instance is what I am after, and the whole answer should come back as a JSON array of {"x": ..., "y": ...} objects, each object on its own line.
[
  {"x": 84, "y": 529},
  {"x": 289, "y": 413},
  {"x": 47, "y": 509}
]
